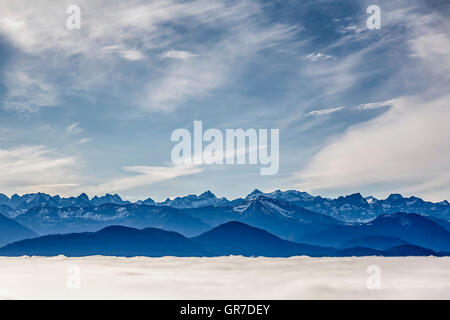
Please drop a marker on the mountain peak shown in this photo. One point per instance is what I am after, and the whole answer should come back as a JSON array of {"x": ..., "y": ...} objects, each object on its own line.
[
  {"x": 83, "y": 197},
  {"x": 207, "y": 194},
  {"x": 232, "y": 225},
  {"x": 394, "y": 196},
  {"x": 117, "y": 229},
  {"x": 149, "y": 201},
  {"x": 255, "y": 193},
  {"x": 356, "y": 195}
]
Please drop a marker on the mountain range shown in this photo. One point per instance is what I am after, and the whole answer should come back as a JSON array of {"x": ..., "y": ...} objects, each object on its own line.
[
  {"x": 410, "y": 227},
  {"x": 350, "y": 208},
  {"x": 113, "y": 241},
  {"x": 231, "y": 238},
  {"x": 355, "y": 207},
  {"x": 349, "y": 225},
  {"x": 47, "y": 220}
]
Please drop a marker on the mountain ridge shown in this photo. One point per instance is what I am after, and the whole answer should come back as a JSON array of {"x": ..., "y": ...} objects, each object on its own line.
[
  {"x": 11, "y": 230},
  {"x": 412, "y": 228},
  {"x": 231, "y": 238},
  {"x": 349, "y": 208}
]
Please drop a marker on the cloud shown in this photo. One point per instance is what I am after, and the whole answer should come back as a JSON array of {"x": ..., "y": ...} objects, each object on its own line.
[
  {"x": 177, "y": 54},
  {"x": 335, "y": 76},
  {"x": 375, "y": 105},
  {"x": 323, "y": 112},
  {"x": 133, "y": 31},
  {"x": 358, "y": 52},
  {"x": 352, "y": 29},
  {"x": 318, "y": 56},
  {"x": 146, "y": 175},
  {"x": 404, "y": 149},
  {"x": 36, "y": 168},
  {"x": 29, "y": 169},
  {"x": 132, "y": 55},
  {"x": 84, "y": 140},
  {"x": 42, "y": 27},
  {"x": 434, "y": 50},
  {"x": 28, "y": 91},
  {"x": 406, "y": 146},
  {"x": 187, "y": 79},
  {"x": 74, "y": 128},
  {"x": 241, "y": 278}
]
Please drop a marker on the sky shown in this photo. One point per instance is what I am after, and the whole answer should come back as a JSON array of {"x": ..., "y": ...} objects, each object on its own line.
[{"x": 93, "y": 109}]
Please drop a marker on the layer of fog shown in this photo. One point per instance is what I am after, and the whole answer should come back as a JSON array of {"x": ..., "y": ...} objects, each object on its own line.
[{"x": 99, "y": 277}]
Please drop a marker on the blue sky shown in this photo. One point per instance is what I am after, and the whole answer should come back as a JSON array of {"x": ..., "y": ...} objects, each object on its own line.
[{"x": 92, "y": 110}]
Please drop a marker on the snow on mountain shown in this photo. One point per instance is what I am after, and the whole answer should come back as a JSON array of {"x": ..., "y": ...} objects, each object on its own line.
[
  {"x": 47, "y": 220},
  {"x": 34, "y": 200},
  {"x": 193, "y": 201},
  {"x": 356, "y": 208},
  {"x": 108, "y": 198},
  {"x": 280, "y": 217},
  {"x": 350, "y": 208},
  {"x": 290, "y": 195}
]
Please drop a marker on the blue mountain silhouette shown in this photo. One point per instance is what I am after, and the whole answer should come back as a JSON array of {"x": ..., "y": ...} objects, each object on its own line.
[
  {"x": 11, "y": 230},
  {"x": 231, "y": 238},
  {"x": 236, "y": 238},
  {"x": 46, "y": 220},
  {"x": 111, "y": 241},
  {"x": 413, "y": 228},
  {"x": 375, "y": 242}
]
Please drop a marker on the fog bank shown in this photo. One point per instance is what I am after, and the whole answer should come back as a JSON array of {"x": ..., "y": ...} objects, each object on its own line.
[{"x": 99, "y": 277}]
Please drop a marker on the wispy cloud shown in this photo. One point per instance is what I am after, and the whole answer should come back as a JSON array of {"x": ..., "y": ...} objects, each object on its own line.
[
  {"x": 133, "y": 55},
  {"x": 31, "y": 169},
  {"x": 84, "y": 140},
  {"x": 323, "y": 112},
  {"x": 177, "y": 54},
  {"x": 352, "y": 28},
  {"x": 194, "y": 78},
  {"x": 36, "y": 168},
  {"x": 318, "y": 56},
  {"x": 133, "y": 31},
  {"x": 375, "y": 105},
  {"x": 144, "y": 175},
  {"x": 74, "y": 128},
  {"x": 28, "y": 91}
]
